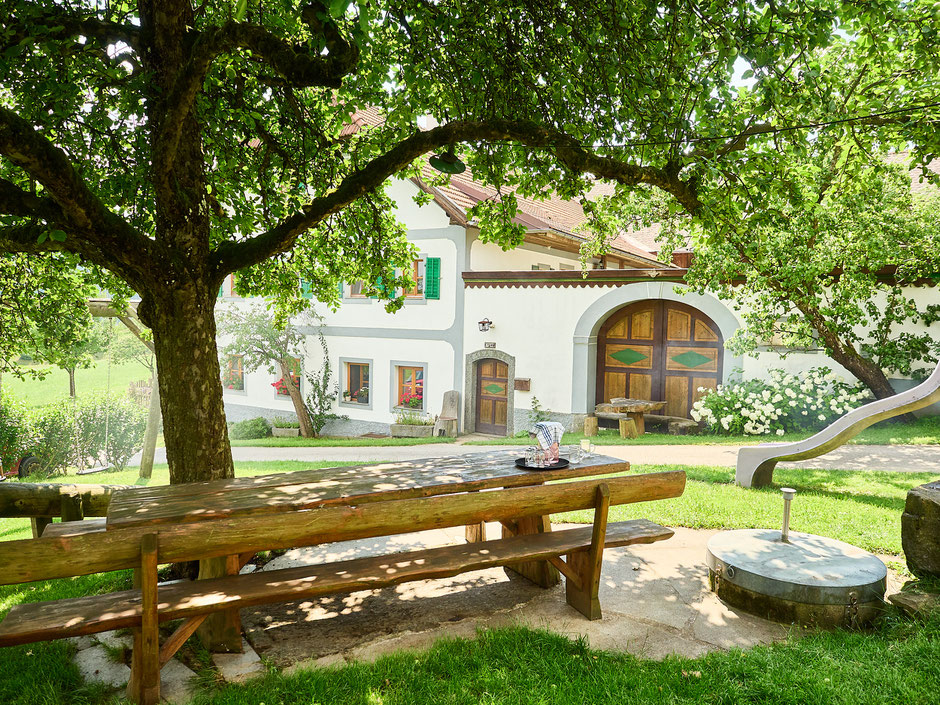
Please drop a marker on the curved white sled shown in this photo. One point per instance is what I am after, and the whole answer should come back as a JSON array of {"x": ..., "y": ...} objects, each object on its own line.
[{"x": 756, "y": 463}]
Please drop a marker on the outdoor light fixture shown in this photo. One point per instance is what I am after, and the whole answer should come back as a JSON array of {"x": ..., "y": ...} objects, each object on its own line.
[
  {"x": 448, "y": 162},
  {"x": 485, "y": 325}
]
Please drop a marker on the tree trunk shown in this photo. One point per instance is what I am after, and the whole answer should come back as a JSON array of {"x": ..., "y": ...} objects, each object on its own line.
[
  {"x": 71, "y": 371},
  {"x": 196, "y": 435},
  {"x": 188, "y": 376},
  {"x": 303, "y": 416},
  {"x": 178, "y": 300},
  {"x": 866, "y": 371}
]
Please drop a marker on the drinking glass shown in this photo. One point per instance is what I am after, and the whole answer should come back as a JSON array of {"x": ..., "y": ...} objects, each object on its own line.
[
  {"x": 530, "y": 456},
  {"x": 587, "y": 447},
  {"x": 574, "y": 454}
]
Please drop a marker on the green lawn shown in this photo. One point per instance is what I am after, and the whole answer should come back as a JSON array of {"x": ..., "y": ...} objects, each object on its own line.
[
  {"x": 862, "y": 508},
  {"x": 55, "y": 385},
  {"x": 923, "y": 431},
  {"x": 336, "y": 442},
  {"x": 897, "y": 663}
]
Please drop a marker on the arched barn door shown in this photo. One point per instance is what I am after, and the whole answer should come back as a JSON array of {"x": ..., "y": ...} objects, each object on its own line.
[{"x": 659, "y": 350}]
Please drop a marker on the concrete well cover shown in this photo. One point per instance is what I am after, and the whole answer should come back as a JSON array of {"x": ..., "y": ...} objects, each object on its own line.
[{"x": 809, "y": 569}]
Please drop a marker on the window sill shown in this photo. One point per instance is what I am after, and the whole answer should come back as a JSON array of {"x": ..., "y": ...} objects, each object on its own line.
[{"x": 354, "y": 405}]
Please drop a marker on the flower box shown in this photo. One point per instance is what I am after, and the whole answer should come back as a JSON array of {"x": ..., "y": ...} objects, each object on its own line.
[
  {"x": 285, "y": 432},
  {"x": 400, "y": 430}
]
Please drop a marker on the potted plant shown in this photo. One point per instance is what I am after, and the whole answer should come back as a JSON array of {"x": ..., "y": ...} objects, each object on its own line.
[
  {"x": 346, "y": 395},
  {"x": 412, "y": 424},
  {"x": 411, "y": 400},
  {"x": 284, "y": 427},
  {"x": 362, "y": 396}
]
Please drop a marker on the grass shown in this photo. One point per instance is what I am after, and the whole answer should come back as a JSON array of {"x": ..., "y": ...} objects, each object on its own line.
[
  {"x": 55, "y": 385},
  {"x": 896, "y": 662},
  {"x": 862, "y": 508},
  {"x": 923, "y": 431},
  {"x": 12, "y": 528},
  {"x": 517, "y": 666},
  {"x": 336, "y": 442}
]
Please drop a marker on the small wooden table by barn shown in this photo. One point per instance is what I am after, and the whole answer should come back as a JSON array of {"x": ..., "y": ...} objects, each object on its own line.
[{"x": 631, "y": 408}]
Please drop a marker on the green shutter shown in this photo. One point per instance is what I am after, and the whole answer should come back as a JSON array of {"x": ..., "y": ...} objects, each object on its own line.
[
  {"x": 432, "y": 278},
  {"x": 305, "y": 289},
  {"x": 339, "y": 286},
  {"x": 222, "y": 291},
  {"x": 379, "y": 287}
]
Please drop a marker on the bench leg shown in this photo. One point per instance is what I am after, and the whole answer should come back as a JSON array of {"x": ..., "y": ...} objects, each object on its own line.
[
  {"x": 143, "y": 687},
  {"x": 541, "y": 573},
  {"x": 587, "y": 564}
]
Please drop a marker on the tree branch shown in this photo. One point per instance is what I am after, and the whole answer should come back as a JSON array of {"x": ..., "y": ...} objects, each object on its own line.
[
  {"x": 297, "y": 64},
  {"x": 94, "y": 230},
  {"x": 16, "y": 201},
  {"x": 65, "y": 24},
  {"x": 230, "y": 256}
]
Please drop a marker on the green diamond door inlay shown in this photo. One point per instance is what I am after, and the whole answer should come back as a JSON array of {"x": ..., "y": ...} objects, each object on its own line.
[
  {"x": 628, "y": 356},
  {"x": 690, "y": 358},
  {"x": 494, "y": 389}
]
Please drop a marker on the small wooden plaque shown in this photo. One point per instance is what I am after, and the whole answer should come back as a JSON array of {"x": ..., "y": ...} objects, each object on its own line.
[{"x": 522, "y": 384}]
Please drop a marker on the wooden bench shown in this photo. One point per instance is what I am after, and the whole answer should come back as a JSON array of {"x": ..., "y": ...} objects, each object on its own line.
[{"x": 83, "y": 548}]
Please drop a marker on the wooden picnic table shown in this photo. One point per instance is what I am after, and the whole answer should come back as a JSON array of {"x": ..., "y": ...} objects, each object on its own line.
[{"x": 352, "y": 485}]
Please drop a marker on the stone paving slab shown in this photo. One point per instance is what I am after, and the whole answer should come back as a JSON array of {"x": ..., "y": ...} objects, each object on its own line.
[
  {"x": 237, "y": 668},
  {"x": 96, "y": 666}
]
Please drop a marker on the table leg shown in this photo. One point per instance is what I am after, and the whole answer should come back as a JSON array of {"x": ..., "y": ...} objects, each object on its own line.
[
  {"x": 541, "y": 573},
  {"x": 475, "y": 533},
  {"x": 638, "y": 418},
  {"x": 222, "y": 631}
]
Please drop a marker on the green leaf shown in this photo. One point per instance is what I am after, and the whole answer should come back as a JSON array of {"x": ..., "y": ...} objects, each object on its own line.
[
  {"x": 57, "y": 235},
  {"x": 42, "y": 237},
  {"x": 240, "y": 9}
]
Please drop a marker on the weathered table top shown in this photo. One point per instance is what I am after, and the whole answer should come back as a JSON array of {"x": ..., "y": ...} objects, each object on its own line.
[
  {"x": 351, "y": 485},
  {"x": 634, "y": 406}
]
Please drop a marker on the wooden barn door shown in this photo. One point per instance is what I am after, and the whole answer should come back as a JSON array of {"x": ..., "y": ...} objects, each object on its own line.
[
  {"x": 659, "y": 350},
  {"x": 492, "y": 396}
]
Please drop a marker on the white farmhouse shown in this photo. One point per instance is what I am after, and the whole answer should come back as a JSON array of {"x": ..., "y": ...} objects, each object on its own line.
[{"x": 504, "y": 328}]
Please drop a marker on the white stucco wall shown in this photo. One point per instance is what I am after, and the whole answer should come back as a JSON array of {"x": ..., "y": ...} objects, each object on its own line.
[
  {"x": 552, "y": 333},
  {"x": 487, "y": 257},
  {"x": 383, "y": 355}
]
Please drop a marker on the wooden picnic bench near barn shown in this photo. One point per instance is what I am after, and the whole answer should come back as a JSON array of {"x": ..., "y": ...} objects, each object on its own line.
[{"x": 236, "y": 518}]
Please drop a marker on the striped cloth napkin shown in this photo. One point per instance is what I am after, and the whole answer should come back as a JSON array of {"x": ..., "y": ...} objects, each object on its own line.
[{"x": 548, "y": 433}]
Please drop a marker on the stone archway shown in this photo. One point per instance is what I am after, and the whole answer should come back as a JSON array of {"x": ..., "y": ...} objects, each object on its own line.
[
  {"x": 470, "y": 387},
  {"x": 584, "y": 353}
]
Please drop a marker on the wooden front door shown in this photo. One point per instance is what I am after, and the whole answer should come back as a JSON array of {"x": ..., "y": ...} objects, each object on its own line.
[
  {"x": 658, "y": 350},
  {"x": 492, "y": 396}
]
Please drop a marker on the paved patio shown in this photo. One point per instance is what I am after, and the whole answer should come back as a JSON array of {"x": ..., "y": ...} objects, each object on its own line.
[{"x": 655, "y": 601}]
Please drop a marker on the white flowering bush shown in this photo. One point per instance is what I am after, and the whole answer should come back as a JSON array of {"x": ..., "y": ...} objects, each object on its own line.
[{"x": 785, "y": 404}]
